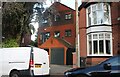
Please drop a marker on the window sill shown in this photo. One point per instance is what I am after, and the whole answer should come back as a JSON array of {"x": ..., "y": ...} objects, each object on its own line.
[
  {"x": 100, "y": 55},
  {"x": 67, "y": 36}
]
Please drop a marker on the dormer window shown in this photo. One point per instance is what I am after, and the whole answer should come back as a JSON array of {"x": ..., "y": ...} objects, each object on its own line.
[{"x": 98, "y": 14}]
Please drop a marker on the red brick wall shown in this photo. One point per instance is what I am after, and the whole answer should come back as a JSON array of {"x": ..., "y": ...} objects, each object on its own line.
[
  {"x": 83, "y": 37},
  {"x": 60, "y": 6},
  {"x": 94, "y": 61},
  {"x": 62, "y": 29},
  {"x": 115, "y": 13},
  {"x": 62, "y": 25}
]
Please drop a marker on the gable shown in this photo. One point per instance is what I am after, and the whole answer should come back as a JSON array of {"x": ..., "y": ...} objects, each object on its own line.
[
  {"x": 52, "y": 42},
  {"x": 61, "y": 7}
]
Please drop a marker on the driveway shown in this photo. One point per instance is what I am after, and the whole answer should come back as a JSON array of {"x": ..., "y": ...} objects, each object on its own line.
[{"x": 58, "y": 69}]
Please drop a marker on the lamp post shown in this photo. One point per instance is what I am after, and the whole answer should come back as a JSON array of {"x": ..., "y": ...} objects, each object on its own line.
[{"x": 77, "y": 36}]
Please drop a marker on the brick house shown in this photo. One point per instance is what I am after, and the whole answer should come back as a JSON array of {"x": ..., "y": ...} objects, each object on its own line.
[
  {"x": 99, "y": 31},
  {"x": 56, "y": 34}
]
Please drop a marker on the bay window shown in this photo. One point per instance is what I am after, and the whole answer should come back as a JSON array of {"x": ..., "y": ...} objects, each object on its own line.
[
  {"x": 98, "y": 14},
  {"x": 99, "y": 44}
]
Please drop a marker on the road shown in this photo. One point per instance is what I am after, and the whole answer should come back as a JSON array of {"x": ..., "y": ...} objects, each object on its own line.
[
  {"x": 56, "y": 76},
  {"x": 58, "y": 70}
]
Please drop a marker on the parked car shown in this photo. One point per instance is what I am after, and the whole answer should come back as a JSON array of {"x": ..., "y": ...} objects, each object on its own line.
[
  {"x": 109, "y": 68},
  {"x": 23, "y": 61}
]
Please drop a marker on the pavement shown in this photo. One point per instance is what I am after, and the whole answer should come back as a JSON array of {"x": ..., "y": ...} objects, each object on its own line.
[{"x": 58, "y": 69}]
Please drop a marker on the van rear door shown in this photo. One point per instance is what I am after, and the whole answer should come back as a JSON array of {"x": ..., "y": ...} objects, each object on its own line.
[
  {"x": 45, "y": 66},
  {"x": 0, "y": 62},
  {"x": 41, "y": 62}
]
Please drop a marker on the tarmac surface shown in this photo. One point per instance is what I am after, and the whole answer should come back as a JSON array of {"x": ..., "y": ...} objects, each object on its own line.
[{"x": 58, "y": 69}]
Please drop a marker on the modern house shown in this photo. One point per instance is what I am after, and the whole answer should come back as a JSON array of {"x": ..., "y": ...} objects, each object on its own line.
[
  {"x": 56, "y": 33},
  {"x": 99, "y": 31}
]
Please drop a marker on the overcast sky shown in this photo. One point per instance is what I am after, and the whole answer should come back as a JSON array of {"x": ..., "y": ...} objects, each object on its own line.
[{"x": 69, "y": 3}]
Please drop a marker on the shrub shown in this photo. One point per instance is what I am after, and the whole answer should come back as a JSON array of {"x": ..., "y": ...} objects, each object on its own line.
[{"x": 10, "y": 43}]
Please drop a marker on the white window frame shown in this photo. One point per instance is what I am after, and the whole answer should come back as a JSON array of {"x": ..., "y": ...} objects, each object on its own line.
[
  {"x": 91, "y": 14},
  {"x": 68, "y": 33},
  {"x": 47, "y": 36},
  {"x": 56, "y": 17},
  {"x": 68, "y": 16},
  {"x": 57, "y": 34},
  {"x": 45, "y": 21},
  {"x": 98, "y": 39}
]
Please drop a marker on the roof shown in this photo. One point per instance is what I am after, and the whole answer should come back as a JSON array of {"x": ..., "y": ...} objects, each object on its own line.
[
  {"x": 64, "y": 42},
  {"x": 85, "y": 4},
  {"x": 58, "y": 3},
  {"x": 56, "y": 42}
]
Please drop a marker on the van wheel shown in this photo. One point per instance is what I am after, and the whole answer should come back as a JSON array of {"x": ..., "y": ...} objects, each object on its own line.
[{"x": 15, "y": 74}]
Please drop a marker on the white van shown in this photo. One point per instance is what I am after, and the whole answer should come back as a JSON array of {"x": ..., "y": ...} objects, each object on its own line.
[{"x": 23, "y": 61}]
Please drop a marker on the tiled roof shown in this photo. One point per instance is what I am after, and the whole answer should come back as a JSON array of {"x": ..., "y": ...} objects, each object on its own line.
[{"x": 64, "y": 42}]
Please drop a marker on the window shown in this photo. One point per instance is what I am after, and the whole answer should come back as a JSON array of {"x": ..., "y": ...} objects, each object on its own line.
[
  {"x": 98, "y": 14},
  {"x": 90, "y": 47},
  {"x": 68, "y": 33},
  {"x": 44, "y": 36},
  {"x": 57, "y": 34},
  {"x": 45, "y": 21},
  {"x": 56, "y": 17},
  {"x": 99, "y": 44},
  {"x": 47, "y": 35},
  {"x": 68, "y": 16},
  {"x": 90, "y": 44},
  {"x": 95, "y": 46}
]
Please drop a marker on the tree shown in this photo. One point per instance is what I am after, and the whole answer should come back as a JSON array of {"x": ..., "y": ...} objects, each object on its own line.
[{"x": 16, "y": 19}]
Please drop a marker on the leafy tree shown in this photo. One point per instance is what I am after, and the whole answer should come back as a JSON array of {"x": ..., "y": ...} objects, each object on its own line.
[
  {"x": 10, "y": 43},
  {"x": 16, "y": 19}
]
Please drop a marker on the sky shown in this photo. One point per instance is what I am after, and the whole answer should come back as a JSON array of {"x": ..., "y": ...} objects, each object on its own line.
[{"x": 69, "y": 3}]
